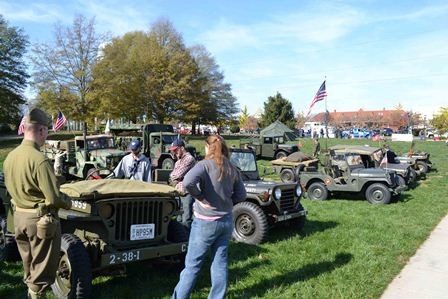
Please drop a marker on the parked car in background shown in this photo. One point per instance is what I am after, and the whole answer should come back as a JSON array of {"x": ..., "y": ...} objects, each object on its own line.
[
  {"x": 387, "y": 131},
  {"x": 360, "y": 133}
]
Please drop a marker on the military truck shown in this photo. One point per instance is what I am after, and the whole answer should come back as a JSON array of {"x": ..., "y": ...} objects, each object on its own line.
[
  {"x": 267, "y": 203},
  {"x": 269, "y": 147},
  {"x": 111, "y": 223},
  {"x": 156, "y": 139},
  {"x": 346, "y": 173},
  {"x": 371, "y": 157},
  {"x": 100, "y": 159}
]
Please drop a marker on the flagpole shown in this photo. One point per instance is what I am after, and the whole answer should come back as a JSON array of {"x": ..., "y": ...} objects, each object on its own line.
[{"x": 326, "y": 117}]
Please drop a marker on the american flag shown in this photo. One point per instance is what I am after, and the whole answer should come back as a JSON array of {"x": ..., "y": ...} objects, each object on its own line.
[
  {"x": 21, "y": 126},
  {"x": 60, "y": 121},
  {"x": 320, "y": 95}
]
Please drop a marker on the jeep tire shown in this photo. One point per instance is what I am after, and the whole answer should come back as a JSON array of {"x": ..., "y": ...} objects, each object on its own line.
[
  {"x": 378, "y": 194},
  {"x": 287, "y": 175},
  {"x": 422, "y": 167},
  {"x": 8, "y": 246},
  {"x": 74, "y": 275},
  {"x": 177, "y": 232},
  {"x": 250, "y": 223},
  {"x": 167, "y": 163},
  {"x": 412, "y": 176},
  {"x": 317, "y": 191},
  {"x": 280, "y": 155}
]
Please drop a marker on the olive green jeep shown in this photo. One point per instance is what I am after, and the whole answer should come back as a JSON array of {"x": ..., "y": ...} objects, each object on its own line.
[
  {"x": 269, "y": 147},
  {"x": 267, "y": 203},
  {"x": 98, "y": 157},
  {"x": 346, "y": 173},
  {"x": 111, "y": 223},
  {"x": 371, "y": 157}
]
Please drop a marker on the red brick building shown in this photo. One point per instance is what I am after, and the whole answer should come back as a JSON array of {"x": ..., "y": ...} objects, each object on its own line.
[{"x": 361, "y": 118}]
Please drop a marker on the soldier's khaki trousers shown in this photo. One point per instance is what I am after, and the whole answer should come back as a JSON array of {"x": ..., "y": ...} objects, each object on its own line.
[{"x": 40, "y": 257}]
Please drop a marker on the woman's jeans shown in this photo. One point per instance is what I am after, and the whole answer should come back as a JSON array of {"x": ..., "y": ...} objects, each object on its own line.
[{"x": 204, "y": 235}]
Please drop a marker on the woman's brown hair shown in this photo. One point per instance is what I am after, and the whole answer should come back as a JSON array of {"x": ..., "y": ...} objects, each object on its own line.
[{"x": 219, "y": 152}]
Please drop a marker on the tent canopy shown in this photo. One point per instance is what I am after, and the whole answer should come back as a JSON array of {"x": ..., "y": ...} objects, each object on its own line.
[{"x": 277, "y": 128}]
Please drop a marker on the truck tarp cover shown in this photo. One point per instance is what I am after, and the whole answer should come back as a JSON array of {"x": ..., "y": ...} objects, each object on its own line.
[
  {"x": 115, "y": 188},
  {"x": 277, "y": 128}
]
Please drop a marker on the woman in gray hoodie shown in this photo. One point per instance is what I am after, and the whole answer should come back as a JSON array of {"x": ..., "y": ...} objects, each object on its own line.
[{"x": 216, "y": 186}]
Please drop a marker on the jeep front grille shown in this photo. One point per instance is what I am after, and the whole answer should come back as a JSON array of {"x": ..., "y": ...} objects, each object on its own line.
[
  {"x": 287, "y": 199},
  {"x": 131, "y": 212}
]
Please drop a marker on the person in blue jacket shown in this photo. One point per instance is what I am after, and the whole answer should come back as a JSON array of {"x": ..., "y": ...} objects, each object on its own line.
[{"x": 134, "y": 166}]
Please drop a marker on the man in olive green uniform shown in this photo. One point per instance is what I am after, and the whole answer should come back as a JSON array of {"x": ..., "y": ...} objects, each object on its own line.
[{"x": 34, "y": 190}]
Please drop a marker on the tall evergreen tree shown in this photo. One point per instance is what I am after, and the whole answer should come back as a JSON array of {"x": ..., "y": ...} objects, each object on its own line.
[{"x": 278, "y": 108}]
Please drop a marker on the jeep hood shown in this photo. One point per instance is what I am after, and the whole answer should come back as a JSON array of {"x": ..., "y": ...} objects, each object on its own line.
[
  {"x": 95, "y": 189},
  {"x": 257, "y": 186},
  {"x": 289, "y": 146},
  {"x": 397, "y": 167},
  {"x": 369, "y": 172},
  {"x": 107, "y": 152}
]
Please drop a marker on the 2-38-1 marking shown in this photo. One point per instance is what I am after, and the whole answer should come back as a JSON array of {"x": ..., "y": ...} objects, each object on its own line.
[{"x": 124, "y": 257}]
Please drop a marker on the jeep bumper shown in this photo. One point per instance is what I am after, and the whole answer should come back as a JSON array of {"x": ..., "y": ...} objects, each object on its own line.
[
  {"x": 290, "y": 215},
  {"x": 134, "y": 255}
]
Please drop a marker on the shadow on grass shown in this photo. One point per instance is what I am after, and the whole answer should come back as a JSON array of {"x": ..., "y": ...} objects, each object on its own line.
[
  {"x": 285, "y": 230},
  {"x": 11, "y": 285},
  {"x": 304, "y": 273},
  {"x": 157, "y": 279}
]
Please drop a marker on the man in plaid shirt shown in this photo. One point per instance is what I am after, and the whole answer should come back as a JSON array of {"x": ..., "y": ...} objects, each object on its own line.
[{"x": 185, "y": 162}]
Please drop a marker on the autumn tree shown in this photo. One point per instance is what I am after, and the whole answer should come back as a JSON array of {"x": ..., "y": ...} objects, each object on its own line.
[
  {"x": 214, "y": 102},
  {"x": 13, "y": 75},
  {"x": 300, "y": 120},
  {"x": 244, "y": 117},
  {"x": 278, "y": 108},
  {"x": 147, "y": 75},
  {"x": 120, "y": 76},
  {"x": 440, "y": 120},
  {"x": 63, "y": 70}
]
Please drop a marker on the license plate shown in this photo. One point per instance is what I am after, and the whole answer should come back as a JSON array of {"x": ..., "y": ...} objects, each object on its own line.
[{"x": 142, "y": 231}]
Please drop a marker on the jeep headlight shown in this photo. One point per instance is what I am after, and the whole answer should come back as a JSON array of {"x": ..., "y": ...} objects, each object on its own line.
[
  {"x": 278, "y": 193},
  {"x": 168, "y": 208},
  {"x": 106, "y": 211},
  {"x": 298, "y": 190}
]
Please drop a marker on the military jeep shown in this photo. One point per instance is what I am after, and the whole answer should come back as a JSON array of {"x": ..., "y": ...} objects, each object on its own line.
[
  {"x": 113, "y": 223},
  {"x": 100, "y": 159},
  {"x": 371, "y": 157},
  {"x": 270, "y": 147},
  {"x": 346, "y": 173},
  {"x": 267, "y": 203},
  {"x": 419, "y": 161}
]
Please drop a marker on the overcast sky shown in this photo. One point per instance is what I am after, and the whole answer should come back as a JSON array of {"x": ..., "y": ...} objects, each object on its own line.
[{"x": 373, "y": 54}]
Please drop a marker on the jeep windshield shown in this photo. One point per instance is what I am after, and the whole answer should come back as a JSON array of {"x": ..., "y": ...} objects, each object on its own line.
[
  {"x": 168, "y": 139},
  {"x": 245, "y": 161},
  {"x": 100, "y": 143}
]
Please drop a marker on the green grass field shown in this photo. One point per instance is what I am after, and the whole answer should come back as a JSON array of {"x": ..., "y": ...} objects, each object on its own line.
[{"x": 348, "y": 249}]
